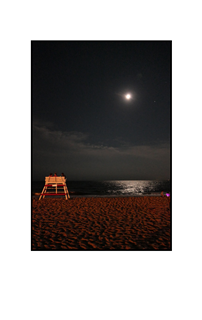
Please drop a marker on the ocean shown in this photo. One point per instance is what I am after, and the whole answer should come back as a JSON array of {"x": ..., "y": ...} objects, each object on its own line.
[{"x": 115, "y": 188}]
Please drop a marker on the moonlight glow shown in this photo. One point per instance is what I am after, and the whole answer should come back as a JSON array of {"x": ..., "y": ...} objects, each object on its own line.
[{"x": 128, "y": 96}]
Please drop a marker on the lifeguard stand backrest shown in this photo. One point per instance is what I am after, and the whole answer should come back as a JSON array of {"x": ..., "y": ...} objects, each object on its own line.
[{"x": 55, "y": 180}]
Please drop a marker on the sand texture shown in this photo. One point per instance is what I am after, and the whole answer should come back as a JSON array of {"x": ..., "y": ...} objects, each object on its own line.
[{"x": 125, "y": 223}]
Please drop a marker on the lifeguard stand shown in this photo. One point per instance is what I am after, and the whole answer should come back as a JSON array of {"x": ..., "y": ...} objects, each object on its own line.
[{"x": 55, "y": 184}]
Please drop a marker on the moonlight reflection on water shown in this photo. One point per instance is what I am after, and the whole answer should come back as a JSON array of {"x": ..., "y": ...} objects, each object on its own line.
[{"x": 133, "y": 187}]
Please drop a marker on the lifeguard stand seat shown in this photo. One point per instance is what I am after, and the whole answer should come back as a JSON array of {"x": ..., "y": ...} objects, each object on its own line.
[{"x": 53, "y": 186}]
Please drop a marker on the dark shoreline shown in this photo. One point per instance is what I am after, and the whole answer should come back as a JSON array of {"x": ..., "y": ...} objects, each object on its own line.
[{"x": 79, "y": 195}]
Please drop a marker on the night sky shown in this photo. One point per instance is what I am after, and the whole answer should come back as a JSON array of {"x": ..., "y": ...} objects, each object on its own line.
[{"x": 82, "y": 122}]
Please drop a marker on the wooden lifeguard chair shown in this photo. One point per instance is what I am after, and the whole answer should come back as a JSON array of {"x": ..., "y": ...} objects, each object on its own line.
[{"x": 56, "y": 184}]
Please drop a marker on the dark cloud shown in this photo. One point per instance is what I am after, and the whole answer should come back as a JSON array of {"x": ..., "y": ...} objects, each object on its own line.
[{"x": 71, "y": 152}]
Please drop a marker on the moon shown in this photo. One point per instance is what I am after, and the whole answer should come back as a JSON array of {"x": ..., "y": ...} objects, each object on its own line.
[{"x": 128, "y": 96}]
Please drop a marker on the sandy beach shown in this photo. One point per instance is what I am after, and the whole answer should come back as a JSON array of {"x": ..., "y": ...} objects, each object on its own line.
[{"x": 122, "y": 223}]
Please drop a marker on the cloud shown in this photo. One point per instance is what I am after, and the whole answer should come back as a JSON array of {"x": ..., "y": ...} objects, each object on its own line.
[
  {"x": 43, "y": 123},
  {"x": 54, "y": 139},
  {"x": 55, "y": 150}
]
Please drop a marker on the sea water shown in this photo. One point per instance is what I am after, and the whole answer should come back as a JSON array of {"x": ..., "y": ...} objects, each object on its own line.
[{"x": 112, "y": 188}]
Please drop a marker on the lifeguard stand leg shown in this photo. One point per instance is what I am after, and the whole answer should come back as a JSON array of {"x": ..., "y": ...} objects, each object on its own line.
[
  {"x": 67, "y": 192},
  {"x": 42, "y": 193},
  {"x": 45, "y": 192}
]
